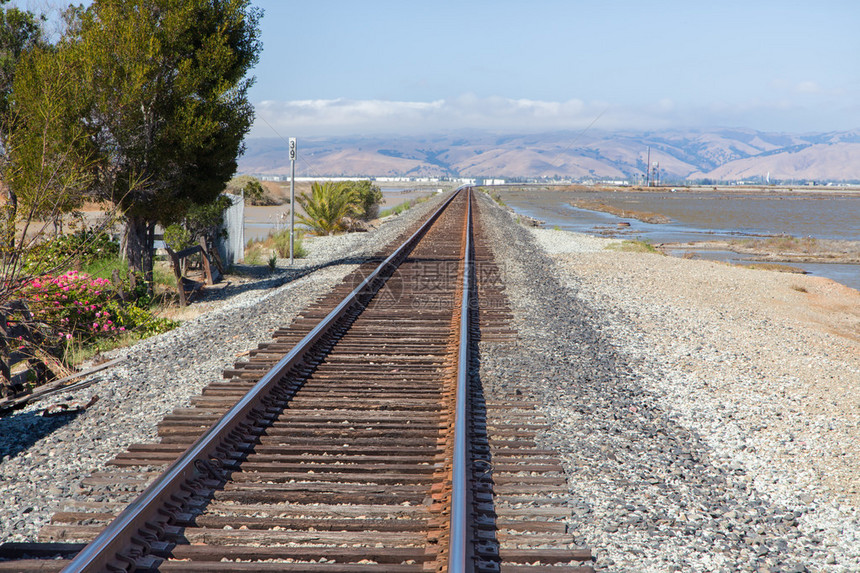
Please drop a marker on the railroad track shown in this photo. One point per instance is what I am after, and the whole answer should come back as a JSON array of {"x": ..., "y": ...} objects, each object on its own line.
[{"x": 359, "y": 439}]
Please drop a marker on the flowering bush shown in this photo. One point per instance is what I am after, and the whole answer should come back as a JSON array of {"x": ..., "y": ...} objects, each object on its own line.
[{"x": 75, "y": 306}]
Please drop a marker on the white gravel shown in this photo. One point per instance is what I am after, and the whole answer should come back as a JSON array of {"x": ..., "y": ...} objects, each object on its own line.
[{"x": 708, "y": 415}]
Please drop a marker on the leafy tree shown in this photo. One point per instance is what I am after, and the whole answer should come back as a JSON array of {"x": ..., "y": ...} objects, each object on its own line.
[
  {"x": 19, "y": 31},
  {"x": 48, "y": 157},
  {"x": 168, "y": 104},
  {"x": 254, "y": 192},
  {"x": 252, "y": 189},
  {"x": 367, "y": 197},
  {"x": 207, "y": 220}
]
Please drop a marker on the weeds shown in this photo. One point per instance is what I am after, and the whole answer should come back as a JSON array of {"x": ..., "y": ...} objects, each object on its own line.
[
  {"x": 280, "y": 242},
  {"x": 254, "y": 254},
  {"x": 641, "y": 246},
  {"x": 273, "y": 247}
]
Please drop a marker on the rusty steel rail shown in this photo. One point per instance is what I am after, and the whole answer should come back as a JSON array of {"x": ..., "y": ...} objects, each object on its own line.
[
  {"x": 122, "y": 543},
  {"x": 458, "y": 554}
]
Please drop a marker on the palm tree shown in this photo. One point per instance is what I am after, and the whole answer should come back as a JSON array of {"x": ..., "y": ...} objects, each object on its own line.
[{"x": 327, "y": 207}]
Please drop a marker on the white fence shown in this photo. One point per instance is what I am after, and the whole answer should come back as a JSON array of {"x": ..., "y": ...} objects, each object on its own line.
[{"x": 232, "y": 249}]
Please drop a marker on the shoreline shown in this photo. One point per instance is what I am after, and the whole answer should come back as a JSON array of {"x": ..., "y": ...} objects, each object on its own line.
[
  {"x": 820, "y": 251},
  {"x": 799, "y": 190}
]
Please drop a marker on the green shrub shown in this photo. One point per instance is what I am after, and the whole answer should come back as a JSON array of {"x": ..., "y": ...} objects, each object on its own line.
[
  {"x": 140, "y": 321},
  {"x": 81, "y": 248},
  {"x": 177, "y": 237},
  {"x": 327, "y": 208}
]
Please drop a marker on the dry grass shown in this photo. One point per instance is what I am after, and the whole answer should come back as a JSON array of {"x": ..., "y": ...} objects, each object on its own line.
[
  {"x": 634, "y": 247},
  {"x": 783, "y": 244},
  {"x": 780, "y": 268},
  {"x": 259, "y": 252}
]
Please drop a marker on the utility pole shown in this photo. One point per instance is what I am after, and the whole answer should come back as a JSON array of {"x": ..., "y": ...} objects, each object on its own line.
[
  {"x": 648, "y": 169},
  {"x": 293, "y": 154}
]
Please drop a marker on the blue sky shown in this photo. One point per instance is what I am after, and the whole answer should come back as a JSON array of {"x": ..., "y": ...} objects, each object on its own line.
[
  {"x": 346, "y": 67},
  {"x": 338, "y": 67}
]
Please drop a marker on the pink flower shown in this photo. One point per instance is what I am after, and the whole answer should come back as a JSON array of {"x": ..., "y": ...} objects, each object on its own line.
[{"x": 122, "y": 329}]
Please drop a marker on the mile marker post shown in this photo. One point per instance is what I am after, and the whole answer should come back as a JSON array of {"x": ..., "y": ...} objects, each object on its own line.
[{"x": 293, "y": 153}]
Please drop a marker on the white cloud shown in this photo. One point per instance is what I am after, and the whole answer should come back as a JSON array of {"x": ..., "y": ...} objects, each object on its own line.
[
  {"x": 345, "y": 117},
  {"x": 468, "y": 111},
  {"x": 807, "y": 88}
]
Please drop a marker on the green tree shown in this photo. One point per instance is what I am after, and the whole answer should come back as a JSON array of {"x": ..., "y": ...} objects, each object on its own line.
[
  {"x": 368, "y": 197},
  {"x": 48, "y": 156},
  {"x": 19, "y": 31},
  {"x": 251, "y": 188},
  {"x": 168, "y": 104}
]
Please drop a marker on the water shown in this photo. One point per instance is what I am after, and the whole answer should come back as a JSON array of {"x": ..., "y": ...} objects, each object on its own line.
[{"x": 703, "y": 216}]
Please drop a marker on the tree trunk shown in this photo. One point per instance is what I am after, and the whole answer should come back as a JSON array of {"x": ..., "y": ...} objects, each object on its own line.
[{"x": 138, "y": 245}]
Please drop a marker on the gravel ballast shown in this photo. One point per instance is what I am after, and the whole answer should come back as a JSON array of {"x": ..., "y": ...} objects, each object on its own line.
[
  {"x": 707, "y": 415},
  {"x": 43, "y": 459}
]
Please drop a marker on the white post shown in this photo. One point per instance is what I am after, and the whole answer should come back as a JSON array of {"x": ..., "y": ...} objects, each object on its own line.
[{"x": 293, "y": 153}]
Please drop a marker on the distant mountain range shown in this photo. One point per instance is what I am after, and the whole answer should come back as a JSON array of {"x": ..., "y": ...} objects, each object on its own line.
[{"x": 719, "y": 155}]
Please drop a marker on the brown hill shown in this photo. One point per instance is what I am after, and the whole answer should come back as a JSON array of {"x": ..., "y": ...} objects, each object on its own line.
[{"x": 725, "y": 155}]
